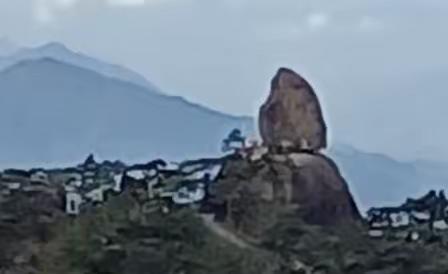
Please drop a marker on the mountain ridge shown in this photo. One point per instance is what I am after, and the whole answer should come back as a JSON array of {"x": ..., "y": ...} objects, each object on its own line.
[
  {"x": 61, "y": 52},
  {"x": 73, "y": 106},
  {"x": 57, "y": 62}
]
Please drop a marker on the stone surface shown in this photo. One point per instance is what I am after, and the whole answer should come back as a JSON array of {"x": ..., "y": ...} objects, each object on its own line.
[
  {"x": 322, "y": 193},
  {"x": 309, "y": 185},
  {"x": 292, "y": 114}
]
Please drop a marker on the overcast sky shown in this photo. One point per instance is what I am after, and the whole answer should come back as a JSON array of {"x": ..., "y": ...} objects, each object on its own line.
[{"x": 379, "y": 66}]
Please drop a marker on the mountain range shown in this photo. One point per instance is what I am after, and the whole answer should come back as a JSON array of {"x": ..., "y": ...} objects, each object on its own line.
[
  {"x": 56, "y": 106},
  {"x": 377, "y": 179},
  {"x": 60, "y": 52},
  {"x": 54, "y": 112}
]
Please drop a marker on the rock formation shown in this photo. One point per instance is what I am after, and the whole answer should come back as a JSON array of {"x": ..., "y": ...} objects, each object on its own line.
[
  {"x": 292, "y": 114},
  {"x": 309, "y": 186},
  {"x": 297, "y": 179}
]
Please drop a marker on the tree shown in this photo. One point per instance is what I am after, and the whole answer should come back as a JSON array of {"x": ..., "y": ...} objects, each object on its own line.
[{"x": 235, "y": 140}]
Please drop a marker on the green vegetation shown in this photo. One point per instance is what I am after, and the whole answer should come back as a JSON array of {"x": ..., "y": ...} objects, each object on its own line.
[
  {"x": 118, "y": 239},
  {"x": 348, "y": 250}
]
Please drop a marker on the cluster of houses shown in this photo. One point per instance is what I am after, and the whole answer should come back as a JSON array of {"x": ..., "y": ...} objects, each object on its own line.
[
  {"x": 187, "y": 184},
  {"x": 28, "y": 181},
  {"x": 92, "y": 183},
  {"x": 412, "y": 219}
]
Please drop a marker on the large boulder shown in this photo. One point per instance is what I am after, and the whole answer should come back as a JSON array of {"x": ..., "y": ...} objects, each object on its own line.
[
  {"x": 256, "y": 193},
  {"x": 321, "y": 192},
  {"x": 292, "y": 114}
]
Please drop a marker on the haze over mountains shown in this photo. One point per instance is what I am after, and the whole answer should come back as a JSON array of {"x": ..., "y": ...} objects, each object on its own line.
[
  {"x": 56, "y": 106},
  {"x": 55, "y": 112},
  {"x": 7, "y": 47},
  {"x": 60, "y": 52},
  {"x": 377, "y": 179}
]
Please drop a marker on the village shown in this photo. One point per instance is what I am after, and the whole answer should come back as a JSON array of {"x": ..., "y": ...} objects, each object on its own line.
[
  {"x": 166, "y": 185},
  {"x": 412, "y": 220}
]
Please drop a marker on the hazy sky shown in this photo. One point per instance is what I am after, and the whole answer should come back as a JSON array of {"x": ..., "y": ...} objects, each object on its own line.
[{"x": 379, "y": 66}]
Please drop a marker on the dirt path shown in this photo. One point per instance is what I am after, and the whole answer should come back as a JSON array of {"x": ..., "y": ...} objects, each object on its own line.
[{"x": 223, "y": 233}]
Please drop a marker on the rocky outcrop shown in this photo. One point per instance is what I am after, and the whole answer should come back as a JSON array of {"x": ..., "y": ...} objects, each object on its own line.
[
  {"x": 292, "y": 114},
  {"x": 297, "y": 178},
  {"x": 255, "y": 193},
  {"x": 318, "y": 188}
]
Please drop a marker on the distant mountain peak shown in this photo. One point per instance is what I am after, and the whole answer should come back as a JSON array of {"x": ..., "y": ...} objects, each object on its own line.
[
  {"x": 54, "y": 47},
  {"x": 61, "y": 52}
]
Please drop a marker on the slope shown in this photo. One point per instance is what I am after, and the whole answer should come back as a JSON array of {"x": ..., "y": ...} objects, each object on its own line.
[{"x": 53, "y": 112}]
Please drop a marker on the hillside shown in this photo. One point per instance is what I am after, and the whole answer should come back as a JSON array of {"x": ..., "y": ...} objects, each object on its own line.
[
  {"x": 55, "y": 113},
  {"x": 130, "y": 234}
]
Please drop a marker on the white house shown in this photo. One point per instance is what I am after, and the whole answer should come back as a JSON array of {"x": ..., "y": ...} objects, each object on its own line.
[
  {"x": 39, "y": 177},
  {"x": 420, "y": 216},
  {"x": 13, "y": 185},
  {"x": 150, "y": 187},
  {"x": 196, "y": 175},
  {"x": 73, "y": 184},
  {"x": 73, "y": 203},
  {"x": 89, "y": 181},
  {"x": 376, "y": 233},
  {"x": 89, "y": 173},
  {"x": 96, "y": 195},
  {"x": 74, "y": 176},
  {"x": 118, "y": 181},
  {"x": 138, "y": 174},
  {"x": 213, "y": 171},
  {"x": 150, "y": 173},
  {"x": 185, "y": 196},
  {"x": 89, "y": 177},
  {"x": 440, "y": 225},
  {"x": 400, "y": 219},
  {"x": 192, "y": 168},
  {"x": 379, "y": 224},
  {"x": 166, "y": 194}
]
